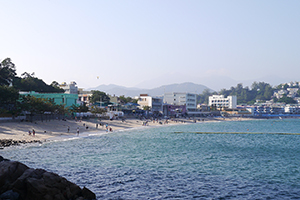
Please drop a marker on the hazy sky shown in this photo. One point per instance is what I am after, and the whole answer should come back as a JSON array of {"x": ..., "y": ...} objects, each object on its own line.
[{"x": 128, "y": 42}]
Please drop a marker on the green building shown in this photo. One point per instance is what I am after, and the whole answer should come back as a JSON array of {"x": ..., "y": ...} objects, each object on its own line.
[{"x": 57, "y": 98}]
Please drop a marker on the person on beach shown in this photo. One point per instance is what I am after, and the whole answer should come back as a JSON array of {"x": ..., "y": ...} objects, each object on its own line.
[
  {"x": 33, "y": 132},
  {"x": 29, "y": 132},
  {"x": 110, "y": 129},
  {"x": 77, "y": 131},
  {"x": 68, "y": 129},
  {"x": 96, "y": 126}
]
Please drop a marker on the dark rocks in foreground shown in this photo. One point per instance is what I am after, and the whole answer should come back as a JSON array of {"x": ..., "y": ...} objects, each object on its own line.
[
  {"x": 17, "y": 181},
  {"x": 9, "y": 142}
]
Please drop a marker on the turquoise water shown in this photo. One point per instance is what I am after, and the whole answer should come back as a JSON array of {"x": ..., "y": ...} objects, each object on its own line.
[{"x": 253, "y": 160}]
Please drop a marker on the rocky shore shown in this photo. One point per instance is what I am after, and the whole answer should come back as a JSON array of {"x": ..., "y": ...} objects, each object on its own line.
[
  {"x": 17, "y": 181},
  {"x": 10, "y": 142}
]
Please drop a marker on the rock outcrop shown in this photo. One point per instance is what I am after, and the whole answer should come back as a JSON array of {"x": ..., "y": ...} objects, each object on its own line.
[
  {"x": 10, "y": 142},
  {"x": 17, "y": 181}
]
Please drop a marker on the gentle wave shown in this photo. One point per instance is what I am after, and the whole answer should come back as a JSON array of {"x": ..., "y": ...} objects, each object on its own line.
[{"x": 178, "y": 162}]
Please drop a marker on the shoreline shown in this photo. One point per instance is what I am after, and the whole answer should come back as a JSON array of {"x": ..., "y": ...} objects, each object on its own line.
[{"x": 17, "y": 133}]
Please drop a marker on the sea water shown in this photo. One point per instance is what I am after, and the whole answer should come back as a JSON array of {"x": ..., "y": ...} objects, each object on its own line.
[{"x": 257, "y": 159}]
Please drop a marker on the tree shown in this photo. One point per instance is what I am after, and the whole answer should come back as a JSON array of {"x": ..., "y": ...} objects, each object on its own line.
[
  {"x": 259, "y": 90},
  {"x": 79, "y": 108},
  {"x": 147, "y": 108},
  {"x": 98, "y": 96},
  {"x": 203, "y": 98},
  {"x": 95, "y": 109},
  {"x": 125, "y": 100},
  {"x": 55, "y": 84},
  {"x": 7, "y": 72},
  {"x": 8, "y": 95},
  {"x": 287, "y": 100},
  {"x": 30, "y": 83},
  {"x": 9, "y": 100},
  {"x": 26, "y": 75},
  {"x": 37, "y": 105},
  {"x": 298, "y": 93}
]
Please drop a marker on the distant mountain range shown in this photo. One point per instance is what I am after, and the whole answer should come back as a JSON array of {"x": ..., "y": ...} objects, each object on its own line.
[
  {"x": 159, "y": 91},
  {"x": 214, "y": 82}
]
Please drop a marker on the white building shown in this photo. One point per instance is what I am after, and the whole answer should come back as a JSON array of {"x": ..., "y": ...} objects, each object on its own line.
[
  {"x": 291, "y": 109},
  {"x": 292, "y": 92},
  {"x": 279, "y": 94},
  {"x": 155, "y": 103},
  {"x": 182, "y": 98},
  {"x": 69, "y": 88},
  {"x": 84, "y": 96},
  {"x": 293, "y": 84},
  {"x": 221, "y": 102}
]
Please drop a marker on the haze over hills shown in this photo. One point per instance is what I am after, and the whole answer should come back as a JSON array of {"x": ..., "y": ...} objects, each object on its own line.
[
  {"x": 215, "y": 82},
  {"x": 158, "y": 91},
  {"x": 192, "y": 86}
]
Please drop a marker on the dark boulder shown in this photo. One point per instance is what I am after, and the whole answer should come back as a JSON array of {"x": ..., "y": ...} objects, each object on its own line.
[{"x": 17, "y": 181}]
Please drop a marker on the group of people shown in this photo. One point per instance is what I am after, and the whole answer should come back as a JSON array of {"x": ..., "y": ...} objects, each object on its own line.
[
  {"x": 33, "y": 132},
  {"x": 145, "y": 123},
  {"x": 108, "y": 128}
]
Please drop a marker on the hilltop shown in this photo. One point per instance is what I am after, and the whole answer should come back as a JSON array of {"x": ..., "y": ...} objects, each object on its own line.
[{"x": 158, "y": 91}]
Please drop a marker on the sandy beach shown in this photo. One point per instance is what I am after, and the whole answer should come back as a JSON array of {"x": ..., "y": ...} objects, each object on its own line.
[
  {"x": 19, "y": 131},
  {"x": 56, "y": 128}
]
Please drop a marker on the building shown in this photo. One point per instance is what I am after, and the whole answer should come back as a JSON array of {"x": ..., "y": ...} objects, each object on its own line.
[
  {"x": 174, "y": 110},
  {"x": 203, "y": 107},
  {"x": 292, "y": 109},
  {"x": 220, "y": 101},
  {"x": 69, "y": 88},
  {"x": 84, "y": 97},
  {"x": 182, "y": 99},
  {"x": 57, "y": 98},
  {"x": 155, "y": 103},
  {"x": 114, "y": 100},
  {"x": 292, "y": 92}
]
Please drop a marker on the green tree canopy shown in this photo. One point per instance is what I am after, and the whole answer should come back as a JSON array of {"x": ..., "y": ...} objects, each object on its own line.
[
  {"x": 40, "y": 105},
  {"x": 99, "y": 96},
  {"x": 259, "y": 91},
  {"x": 147, "y": 108},
  {"x": 9, "y": 100},
  {"x": 7, "y": 72},
  {"x": 31, "y": 83},
  {"x": 96, "y": 109},
  {"x": 287, "y": 100},
  {"x": 203, "y": 98},
  {"x": 125, "y": 100},
  {"x": 79, "y": 108}
]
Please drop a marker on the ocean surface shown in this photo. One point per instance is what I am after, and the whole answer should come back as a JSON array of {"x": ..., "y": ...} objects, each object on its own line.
[{"x": 257, "y": 159}]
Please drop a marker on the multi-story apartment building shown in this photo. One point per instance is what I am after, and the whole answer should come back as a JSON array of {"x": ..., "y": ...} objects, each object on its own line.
[
  {"x": 220, "y": 101},
  {"x": 69, "y": 88},
  {"x": 84, "y": 96},
  {"x": 182, "y": 98},
  {"x": 155, "y": 103}
]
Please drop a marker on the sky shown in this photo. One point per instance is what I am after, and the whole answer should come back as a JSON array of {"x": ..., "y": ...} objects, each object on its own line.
[{"x": 143, "y": 44}]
